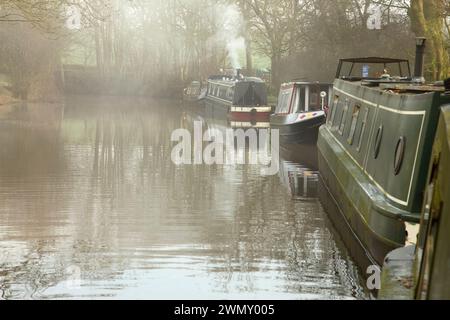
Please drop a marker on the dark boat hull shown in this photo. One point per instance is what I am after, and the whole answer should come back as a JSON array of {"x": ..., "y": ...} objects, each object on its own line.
[
  {"x": 366, "y": 247},
  {"x": 373, "y": 187},
  {"x": 297, "y": 132}
]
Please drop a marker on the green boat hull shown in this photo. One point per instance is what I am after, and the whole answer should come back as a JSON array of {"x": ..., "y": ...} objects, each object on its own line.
[
  {"x": 373, "y": 157},
  {"x": 423, "y": 272}
]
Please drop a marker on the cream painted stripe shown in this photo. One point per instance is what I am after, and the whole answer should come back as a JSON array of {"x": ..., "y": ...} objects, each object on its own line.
[
  {"x": 222, "y": 84},
  {"x": 356, "y": 98},
  {"x": 219, "y": 99},
  {"x": 399, "y": 201},
  {"x": 406, "y": 113},
  {"x": 413, "y": 113},
  {"x": 417, "y": 156},
  {"x": 420, "y": 112}
]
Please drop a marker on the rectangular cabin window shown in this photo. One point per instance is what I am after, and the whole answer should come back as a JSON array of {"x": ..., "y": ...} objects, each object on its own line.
[
  {"x": 230, "y": 93},
  {"x": 314, "y": 99},
  {"x": 284, "y": 100},
  {"x": 333, "y": 110},
  {"x": 344, "y": 117},
  {"x": 303, "y": 99},
  {"x": 355, "y": 117},
  {"x": 296, "y": 101},
  {"x": 363, "y": 127},
  {"x": 223, "y": 93},
  {"x": 314, "y": 102}
]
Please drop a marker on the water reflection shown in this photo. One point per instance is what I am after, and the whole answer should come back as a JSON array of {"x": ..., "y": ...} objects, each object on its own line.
[
  {"x": 301, "y": 181},
  {"x": 95, "y": 192}
]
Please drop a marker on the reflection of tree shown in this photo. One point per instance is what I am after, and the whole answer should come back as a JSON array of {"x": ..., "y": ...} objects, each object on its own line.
[
  {"x": 30, "y": 139},
  {"x": 119, "y": 204}
]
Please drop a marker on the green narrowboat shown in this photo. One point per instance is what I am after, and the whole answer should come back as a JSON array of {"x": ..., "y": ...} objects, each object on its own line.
[
  {"x": 423, "y": 271},
  {"x": 239, "y": 98},
  {"x": 374, "y": 152}
]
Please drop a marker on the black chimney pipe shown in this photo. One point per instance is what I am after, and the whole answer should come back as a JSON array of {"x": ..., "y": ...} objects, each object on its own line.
[
  {"x": 447, "y": 84},
  {"x": 238, "y": 74},
  {"x": 420, "y": 57}
]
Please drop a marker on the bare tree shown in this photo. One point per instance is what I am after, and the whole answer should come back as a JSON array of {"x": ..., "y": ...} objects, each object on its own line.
[
  {"x": 277, "y": 31},
  {"x": 428, "y": 18}
]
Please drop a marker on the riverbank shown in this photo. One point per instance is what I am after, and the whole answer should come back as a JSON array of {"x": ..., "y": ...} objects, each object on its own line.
[{"x": 6, "y": 97}]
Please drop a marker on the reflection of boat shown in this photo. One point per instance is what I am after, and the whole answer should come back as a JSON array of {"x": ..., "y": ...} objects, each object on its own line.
[
  {"x": 301, "y": 181},
  {"x": 373, "y": 155},
  {"x": 304, "y": 154},
  {"x": 304, "y": 184},
  {"x": 298, "y": 171},
  {"x": 301, "y": 111},
  {"x": 239, "y": 98},
  {"x": 423, "y": 271},
  {"x": 248, "y": 125},
  {"x": 195, "y": 92}
]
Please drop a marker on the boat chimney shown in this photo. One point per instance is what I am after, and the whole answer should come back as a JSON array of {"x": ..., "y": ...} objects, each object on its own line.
[
  {"x": 238, "y": 74},
  {"x": 447, "y": 85},
  {"x": 420, "y": 57}
]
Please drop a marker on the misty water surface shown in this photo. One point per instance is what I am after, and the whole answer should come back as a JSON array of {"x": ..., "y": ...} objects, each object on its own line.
[{"x": 91, "y": 206}]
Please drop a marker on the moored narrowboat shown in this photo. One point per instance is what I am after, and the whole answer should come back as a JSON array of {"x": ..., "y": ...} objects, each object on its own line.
[
  {"x": 374, "y": 153},
  {"x": 422, "y": 271},
  {"x": 194, "y": 92},
  {"x": 301, "y": 111},
  {"x": 239, "y": 98}
]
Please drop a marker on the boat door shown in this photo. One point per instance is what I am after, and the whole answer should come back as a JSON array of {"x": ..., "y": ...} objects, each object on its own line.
[{"x": 315, "y": 99}]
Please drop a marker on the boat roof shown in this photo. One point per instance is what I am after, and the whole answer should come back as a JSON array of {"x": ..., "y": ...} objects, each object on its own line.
[
  {"x": 400, "y": 86},
  {"x": 228, "y": 79},
  {"x": 306, "y": 83},
  {"x": 374, "y": 60}
]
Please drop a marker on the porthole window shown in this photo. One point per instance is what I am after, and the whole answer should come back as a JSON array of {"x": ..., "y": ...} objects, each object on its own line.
[
  {"x": 378, "y": 138},
  {"x": 399, "y": 155}
]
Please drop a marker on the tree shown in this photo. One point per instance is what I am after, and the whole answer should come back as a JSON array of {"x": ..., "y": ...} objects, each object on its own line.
[
  {"x": 428, "y": 19},
  {"x": 31, "y": 42},
  {"x": 277, "y": 29}
]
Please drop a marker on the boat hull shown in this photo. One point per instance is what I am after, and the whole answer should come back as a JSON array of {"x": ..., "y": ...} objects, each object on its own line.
[
  {"x": 236, "y": 113},
  {"x": 345, "y": 210},
  {"x": 249, "y": 116},
  {"x": 297, "y": 132},
  {"x": 373, "y": 155}
]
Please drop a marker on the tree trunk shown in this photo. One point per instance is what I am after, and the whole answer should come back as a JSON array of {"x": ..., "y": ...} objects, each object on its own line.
[
  {"x": 275, "y": 63},
  {"x": 44, "y": 82},
  {"x": 427, "y": 20}
]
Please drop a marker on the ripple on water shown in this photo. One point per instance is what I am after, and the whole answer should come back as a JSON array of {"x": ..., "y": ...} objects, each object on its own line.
[{"x": 93, "y": 208}]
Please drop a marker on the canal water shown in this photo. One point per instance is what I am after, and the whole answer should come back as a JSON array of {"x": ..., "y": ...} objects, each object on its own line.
[{"x": 92, "y": 207}]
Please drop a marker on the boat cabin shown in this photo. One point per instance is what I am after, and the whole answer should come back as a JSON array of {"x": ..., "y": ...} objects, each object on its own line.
[
  {"x": 194, "y": 89},
  {"x": 244, "y": 91},
  {"x": 299, "y": 97},
  {"x": 373, "y": 69}
]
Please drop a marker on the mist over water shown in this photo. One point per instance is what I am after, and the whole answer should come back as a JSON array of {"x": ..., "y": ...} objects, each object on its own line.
[
  {"x": 91, "y": 203},
  {"x": 100, "y": 197}
]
